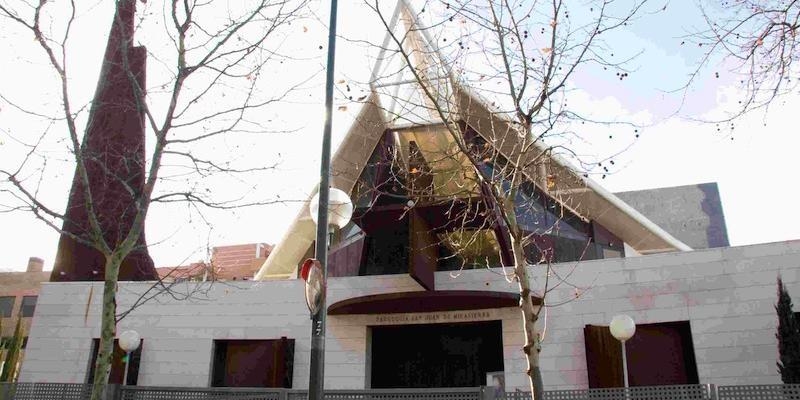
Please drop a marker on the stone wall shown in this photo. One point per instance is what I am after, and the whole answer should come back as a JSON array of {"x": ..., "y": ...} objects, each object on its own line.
[{"x": 727, "y": 294}]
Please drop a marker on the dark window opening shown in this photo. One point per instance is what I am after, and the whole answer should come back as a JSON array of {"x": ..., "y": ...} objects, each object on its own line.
[
  {"x": 437, "y": 355},
  {"x": 28, "y": 305},
  {"x": 387, "y": 251},
  {"x": 117, "y": 364},
  {"x": 253, "y": 363},
  {"x": 6, "y": 342},
  {"x": 6, "y": 306}
]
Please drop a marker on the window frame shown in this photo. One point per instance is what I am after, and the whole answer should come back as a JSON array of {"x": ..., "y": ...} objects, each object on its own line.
[
  {"x": 23, "y": 308},
  {"x": 10, "y": 312}
]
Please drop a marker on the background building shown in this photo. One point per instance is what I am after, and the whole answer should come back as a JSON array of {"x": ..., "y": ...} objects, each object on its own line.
[
  {"x": 19, "y": 293},
  {"x": 691, "y": 213},
  {"x": 228, "y": 263}
]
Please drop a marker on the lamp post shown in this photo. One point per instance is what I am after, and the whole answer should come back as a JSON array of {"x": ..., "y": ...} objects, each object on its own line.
[
  {"x": 315, "y": 385},
  {"x": 329, "y": 208},
  {"x": 128, "y": 342},
  {"x": 622, "y": 328}
]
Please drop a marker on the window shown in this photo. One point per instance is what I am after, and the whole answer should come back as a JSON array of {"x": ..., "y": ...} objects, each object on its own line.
[
  {"x": 28, "y": 305},
  {"x": 6, "y": 306},
  {"x": 469, "y": 249},
  {"x": 253, "y": 363},
  {"x": 117, "y": 364},
  {"x": 7, "y": 342}
]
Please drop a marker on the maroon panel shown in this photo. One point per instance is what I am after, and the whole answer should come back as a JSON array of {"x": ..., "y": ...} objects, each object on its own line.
[
  {"x": 346, "y": 259},
  {"x": 114, "y": 156},
  {"x": 603, "y": 357},
  {"x": 245, "y": 363},
  {"x": 424, "y": 252},
  {"x": 658, "y": 354},
  {"x": 426, "y": 301}
]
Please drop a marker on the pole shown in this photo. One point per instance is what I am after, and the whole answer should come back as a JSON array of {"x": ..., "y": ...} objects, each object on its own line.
[
  {"x": 127, "y": 364},
  {"x": 317, "y": 373},
  {"x": 624, "y": 367}
]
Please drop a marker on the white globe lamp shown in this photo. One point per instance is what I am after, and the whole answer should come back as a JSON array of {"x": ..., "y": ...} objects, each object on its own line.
[
  {"x": 340, "y": 208},
  {"x": 622, "y": 327},
  {"x": 129, "y": 341}
]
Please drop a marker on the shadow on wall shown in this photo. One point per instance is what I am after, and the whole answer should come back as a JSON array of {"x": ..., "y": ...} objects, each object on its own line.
[{"x": 717, "y": 231}]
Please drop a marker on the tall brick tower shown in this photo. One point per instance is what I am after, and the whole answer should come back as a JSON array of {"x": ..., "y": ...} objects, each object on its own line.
[{"x": 114, "y": 154}]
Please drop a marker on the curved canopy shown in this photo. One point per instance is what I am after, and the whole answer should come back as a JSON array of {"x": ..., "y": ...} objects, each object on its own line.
[{"x": 426, "y": 301}]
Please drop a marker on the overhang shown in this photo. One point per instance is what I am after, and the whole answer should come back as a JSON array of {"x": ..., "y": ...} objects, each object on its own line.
[{"x": 426, "y": 301}]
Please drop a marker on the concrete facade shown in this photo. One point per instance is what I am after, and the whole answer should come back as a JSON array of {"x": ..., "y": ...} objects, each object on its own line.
[{"x": 727, "y": 294}]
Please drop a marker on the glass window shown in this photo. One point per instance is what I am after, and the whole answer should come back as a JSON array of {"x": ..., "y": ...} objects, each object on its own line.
[
  {"x": 6, "y": 306},
  {"x": 608, "y": 245},
  {"x": 471, "y": 249},
  {"x": 28, "y": 305},
  {"x": 529, "y": 209},
  {"x": 387, "y": 251}
]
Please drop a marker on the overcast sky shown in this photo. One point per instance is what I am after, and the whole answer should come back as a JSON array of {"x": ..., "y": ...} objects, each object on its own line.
[{"x": 754, "y": 165}]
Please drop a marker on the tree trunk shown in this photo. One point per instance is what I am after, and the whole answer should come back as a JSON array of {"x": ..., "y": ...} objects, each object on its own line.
[
  {"x": 529, "y": 318},
  {"x": 108, "y": 328}
]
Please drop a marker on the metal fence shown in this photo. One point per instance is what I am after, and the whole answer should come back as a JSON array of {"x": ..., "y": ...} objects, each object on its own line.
[
  {"x": 759, "y": 392},
  {"x": 169, "y": 393},
  {"x": 676, "y": 392},
  {"x": 44, "y": 391},
  {"x": 68, "y": 391}
]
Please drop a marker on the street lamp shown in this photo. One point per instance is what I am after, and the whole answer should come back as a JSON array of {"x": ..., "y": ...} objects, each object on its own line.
[
  {"x": 622, "y": 328},
  {"x": 333, "y": 212},
  {"x": 128, "y": 342},
  {"x": 340, "y": 209}
]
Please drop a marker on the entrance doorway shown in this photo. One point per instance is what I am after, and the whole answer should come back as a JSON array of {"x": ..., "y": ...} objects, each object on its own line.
[{"x": 435, "y": 355}]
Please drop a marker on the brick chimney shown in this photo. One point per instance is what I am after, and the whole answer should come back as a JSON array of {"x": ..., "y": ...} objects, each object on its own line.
[{"x": 35, "y": 264}]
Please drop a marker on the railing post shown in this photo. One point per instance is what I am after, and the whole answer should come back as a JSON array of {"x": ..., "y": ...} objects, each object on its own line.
[
  {"x": 113, "y": 392},
  {"x": 712, "y": 390},
  {"x": 486, "y": 393},
  {"x": 283, "y": 394}
]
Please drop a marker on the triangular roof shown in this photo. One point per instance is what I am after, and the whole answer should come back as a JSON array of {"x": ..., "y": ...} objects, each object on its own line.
[{"x": 392, "y": 106}]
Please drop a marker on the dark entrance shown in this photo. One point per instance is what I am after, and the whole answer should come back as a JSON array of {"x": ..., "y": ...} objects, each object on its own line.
[{"x": 437, "y": 355}]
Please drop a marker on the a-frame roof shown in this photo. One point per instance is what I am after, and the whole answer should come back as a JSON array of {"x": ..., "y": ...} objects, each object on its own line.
[{"x": 395, "y": 102}]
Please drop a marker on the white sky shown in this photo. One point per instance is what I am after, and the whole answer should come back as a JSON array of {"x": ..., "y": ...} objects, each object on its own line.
[{"x": 755, "y": 170}]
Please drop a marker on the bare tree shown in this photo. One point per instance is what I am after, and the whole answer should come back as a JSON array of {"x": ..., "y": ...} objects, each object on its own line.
[
  {"x": 495, "y": 77},
  {"x": 756, "y": 41},
  {"x": 213, "y": 78}
]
